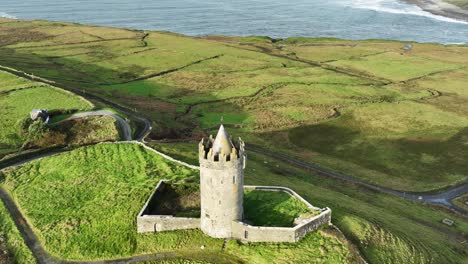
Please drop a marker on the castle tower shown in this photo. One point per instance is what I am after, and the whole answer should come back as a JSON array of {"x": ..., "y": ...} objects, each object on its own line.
[{"x": 222, "y": 164}]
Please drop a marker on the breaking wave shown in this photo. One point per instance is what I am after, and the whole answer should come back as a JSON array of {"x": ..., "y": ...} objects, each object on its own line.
[
  {"x": 396, "y": 7},
  {"x": 5, "y": 15}
]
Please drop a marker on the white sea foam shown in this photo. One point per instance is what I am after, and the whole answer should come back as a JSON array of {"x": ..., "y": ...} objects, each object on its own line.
[
  {"x": 5, "y": 15},
  {"x": 396, "y": 7}
]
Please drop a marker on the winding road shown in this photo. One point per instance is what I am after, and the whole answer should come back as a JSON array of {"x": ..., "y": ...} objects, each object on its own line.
[
  {"x": 442, "y": 199},
  {"x": 42, "y": 257}
]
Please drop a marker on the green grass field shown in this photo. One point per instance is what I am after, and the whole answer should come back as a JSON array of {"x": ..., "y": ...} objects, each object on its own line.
[
  {"x": 386, "y": 229},
  {"x": 109, "y": 183},
  {"x": 263, "y": 208},
  {"x": 17, "y": 105},
  {"x": 272, "y": 91},
  {"x": 10, "y": 82},
  {"x": 362, "y": 108},
  {"x": 13, "y": 240}
]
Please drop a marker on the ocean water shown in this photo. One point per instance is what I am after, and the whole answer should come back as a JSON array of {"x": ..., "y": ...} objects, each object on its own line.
[{"x": 349, "y": 19}]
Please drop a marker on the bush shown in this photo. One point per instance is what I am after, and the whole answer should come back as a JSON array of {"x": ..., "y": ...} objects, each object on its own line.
[
  {"x": 23, "y": 125},
  {"x": 37, "y": 129}
]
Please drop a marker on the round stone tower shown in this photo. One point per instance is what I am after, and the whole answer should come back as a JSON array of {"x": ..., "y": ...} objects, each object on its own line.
[{"x": 222, "y": 163}]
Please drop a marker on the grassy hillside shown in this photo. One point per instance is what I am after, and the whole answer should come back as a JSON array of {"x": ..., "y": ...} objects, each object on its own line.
[
  {"x": 368, "y": 108},
  {"x": 18, "y": 96},
  {"x": 17, "y": 105},
  {"x": 94, "y": 193},
  {"x": 10, "y": 82},
  {"x": 386, "y": 229}
]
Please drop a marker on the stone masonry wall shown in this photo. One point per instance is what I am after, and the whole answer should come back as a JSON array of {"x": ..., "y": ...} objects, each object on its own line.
[
  {"x": 239, "y": 230},
  {"x": 248, "y": 233},
  {"x": 221, "y": 196},
  {"x": 157, "y": 223},
  {"x": 312, "y": 224}
]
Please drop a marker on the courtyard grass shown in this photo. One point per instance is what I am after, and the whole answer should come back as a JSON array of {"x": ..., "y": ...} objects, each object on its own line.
[
  {"x": 266, "y": 208},
  {"x": 179, "y": 200},
  {"x": 94, "y": 193},
  {"x": 261, "y": 208}
]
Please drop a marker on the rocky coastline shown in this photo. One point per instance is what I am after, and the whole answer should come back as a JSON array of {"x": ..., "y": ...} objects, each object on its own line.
[{"x": 442, "y": 8}]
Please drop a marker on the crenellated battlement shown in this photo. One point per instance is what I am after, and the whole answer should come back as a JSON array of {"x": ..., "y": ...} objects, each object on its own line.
[
  {"x": 207, "y": 151},
  {"x": 221, "y": 149}
]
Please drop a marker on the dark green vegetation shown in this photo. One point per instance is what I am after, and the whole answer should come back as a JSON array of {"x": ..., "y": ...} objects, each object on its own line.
[
  {"x": 363, "y": 108},
  {"x": 82, "y": 131},
  {"x": 181, "y": 200},
  {"x": 263, "y": 208},
  {"x": 386, "y": 229},
  {"x": 96, "y": 192}
]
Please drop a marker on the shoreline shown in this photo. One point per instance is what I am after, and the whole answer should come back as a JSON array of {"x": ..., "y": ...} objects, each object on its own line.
[{"x": 441, "y": 8}]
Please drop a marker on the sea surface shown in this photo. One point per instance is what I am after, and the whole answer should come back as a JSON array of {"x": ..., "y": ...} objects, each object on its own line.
[{"x": 349, "y": 19}]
